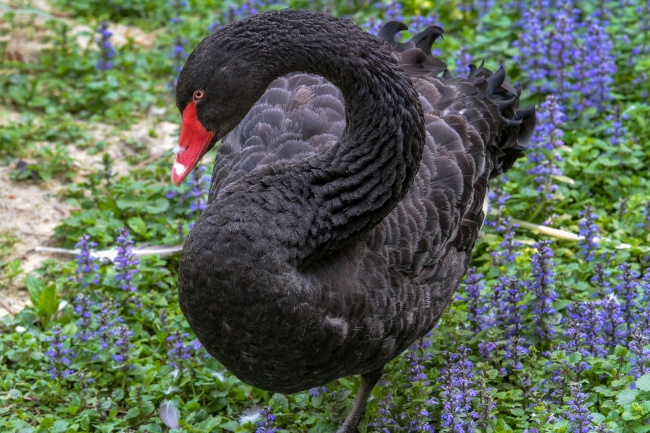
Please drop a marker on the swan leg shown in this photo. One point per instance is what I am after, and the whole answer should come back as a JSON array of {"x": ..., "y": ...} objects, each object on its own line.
[{"x": 368, "y": 382}]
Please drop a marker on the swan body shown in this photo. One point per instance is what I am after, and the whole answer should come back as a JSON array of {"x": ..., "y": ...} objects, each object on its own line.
[{"x": 346, "y": 196}]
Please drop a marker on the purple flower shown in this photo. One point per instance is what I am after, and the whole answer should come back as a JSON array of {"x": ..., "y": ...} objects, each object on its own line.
[
  {"x": 579, "y": 413},
  {"x": 545, "y": 142},
  {"x": 87, "y": 271},
  {"x": 416, "y": 366},
  {"x": 542, "y": 287},
  {"x": 106, "y": 50},
  {"x": 507, "y": 251},
  {"x": 475, "y": 300},
  {"x": 610, "y": 320},
  {"x": 483, "y": 7},
  {"x": 180, "y": 351},
  {"x": 126, "y": 262},
  {"x": 588, "y": 237},
  {"x": 106, "y": 320},
  {"x": 583, "y": 329},
  {"x": 59, "y": 354},
  {"x": 82, "y": 308},
  {"x": 385, "y": 422},
  {"x": 515, "y": 351},
  {"x": 627, "y": 291},
  {"x": 463, "y": 60},
  {"x": 533, "y": 53},
  {"x": 458, "y": 392},
  {"x": 508, "y": 295},
  {"x": 123, "y": 347},
  {"x": 639, "y": 354},
  {"x": 600, "y": 279},
  {"x": 315, "y": 392},
  {"x": 600, "y": 66},
  {"x": 645, "y": 224},
  {"x": 486, "y": 349},
  {"x": 267, "y": 423},
  {"x": 236, "y": 13}
]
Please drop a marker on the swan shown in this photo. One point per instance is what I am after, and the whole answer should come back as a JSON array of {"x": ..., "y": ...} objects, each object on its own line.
[{"x": 346, "y": 197}]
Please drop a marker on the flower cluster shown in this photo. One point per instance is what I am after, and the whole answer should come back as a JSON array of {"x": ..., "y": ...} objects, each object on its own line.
[
  {"x": 571, "y": 58},
  {"x": 465, "y": 401},
  {"x": 543, "y": 155},
  {"x": 588, "y": 234},
  {"x": 542, "y": 287},
  {"x": 106, "y": 50},
  {"x": 59, "y": 355},
  {"x": 474, "y": 299},
  {"x": 639, "y": 354},
  {"x": 483, "y": 7},
  {"x": 87, "y": 271},
  {"x": 582, "y": 330},
  {"x": 83, "y": 309},
  {"x": 616, "y": 132},
  {"x": 627, "y": 292},
  {"x": 126, "y": 262},
  {"x": 180, "y": 351},
  {"x": 267, "y": 423},
  {"x": 463, "y": 60},
  {"x": 178, "y": 53},
  {"x": 579, "y": 414},
  {"x": 508, "y": 249},
  {"x": 123, "y": 346}
]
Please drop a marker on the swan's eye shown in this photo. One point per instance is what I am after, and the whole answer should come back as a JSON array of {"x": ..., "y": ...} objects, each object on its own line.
[{"x": 198, "y": 94}]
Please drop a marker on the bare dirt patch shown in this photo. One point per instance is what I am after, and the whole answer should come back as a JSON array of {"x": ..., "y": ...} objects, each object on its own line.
[{"x": 31, "y": 211}]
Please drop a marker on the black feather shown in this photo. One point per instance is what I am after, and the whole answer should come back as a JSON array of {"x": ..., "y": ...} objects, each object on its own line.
[{"x": 341, "y": 217}]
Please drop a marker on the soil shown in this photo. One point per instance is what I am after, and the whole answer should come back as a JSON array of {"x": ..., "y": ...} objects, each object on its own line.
[{"x": 32, "y": 209}]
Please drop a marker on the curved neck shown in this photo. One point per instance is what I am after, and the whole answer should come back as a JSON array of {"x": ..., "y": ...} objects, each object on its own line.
[{"x": 358, "y": 181}]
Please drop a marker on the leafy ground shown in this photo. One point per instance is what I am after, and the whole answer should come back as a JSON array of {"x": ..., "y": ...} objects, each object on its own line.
[{"x": 550, "y": 331}]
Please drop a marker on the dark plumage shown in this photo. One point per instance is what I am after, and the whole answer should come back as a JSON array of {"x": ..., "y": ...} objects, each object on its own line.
[{"x": 336, "y": 233}]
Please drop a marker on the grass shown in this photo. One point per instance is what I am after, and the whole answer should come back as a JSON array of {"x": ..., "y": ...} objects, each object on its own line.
[{"x": 543, "y": 340}]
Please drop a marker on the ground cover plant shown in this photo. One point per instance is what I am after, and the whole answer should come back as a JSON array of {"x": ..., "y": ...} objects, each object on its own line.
[{"x": 549, "y": 331}]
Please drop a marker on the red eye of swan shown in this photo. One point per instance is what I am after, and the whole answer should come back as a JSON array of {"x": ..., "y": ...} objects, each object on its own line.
[{"x": 198, "y": 94}]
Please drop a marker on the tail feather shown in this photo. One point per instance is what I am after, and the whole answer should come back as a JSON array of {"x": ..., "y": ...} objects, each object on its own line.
[{"x": 509, "y": 127}]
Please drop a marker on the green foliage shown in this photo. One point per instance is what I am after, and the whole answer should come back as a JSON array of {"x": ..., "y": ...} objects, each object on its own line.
[{"x": 59, "y": 99}]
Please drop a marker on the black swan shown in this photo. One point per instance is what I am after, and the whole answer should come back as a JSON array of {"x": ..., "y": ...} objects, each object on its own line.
[{"x": 345, "y": 203}]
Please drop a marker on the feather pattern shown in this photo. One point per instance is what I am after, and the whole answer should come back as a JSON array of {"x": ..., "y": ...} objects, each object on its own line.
[{"x": 362, "y": 296}]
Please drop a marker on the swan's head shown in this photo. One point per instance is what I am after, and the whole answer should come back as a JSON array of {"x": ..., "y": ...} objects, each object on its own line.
[{"x": 219, "y": 83}]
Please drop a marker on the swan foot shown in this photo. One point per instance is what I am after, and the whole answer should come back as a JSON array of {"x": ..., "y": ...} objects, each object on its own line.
[{"x": 368, "y": 382}]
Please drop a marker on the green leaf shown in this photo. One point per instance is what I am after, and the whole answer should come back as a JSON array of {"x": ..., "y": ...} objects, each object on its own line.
[
  {"x": 117, "y": 394},
  {"x": 575, "y": 358},
  {"x": 626, "y": 396},
  {"x": 317, "y": 400},
  {"x": 156, "y": 206},
  {"x": 47, "y": 422},
  {"x": 517, "y": 411},
  {"x": 134, "y": 412},
  {"x": 279, "y": 401},
  {"x": 211, "y": 423},
  {"x": 48, "y": 302},
  {"x": 138, "y": 226},
  {"x": 35, "y": 287},
  {"x": 643, "y": 383}
]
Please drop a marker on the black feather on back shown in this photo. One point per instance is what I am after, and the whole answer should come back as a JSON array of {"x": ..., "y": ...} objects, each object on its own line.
[{"x": 351, "y": 310}]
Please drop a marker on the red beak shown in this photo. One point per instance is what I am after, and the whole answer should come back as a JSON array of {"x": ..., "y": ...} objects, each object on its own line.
[{"x": 194, "y": 143}]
